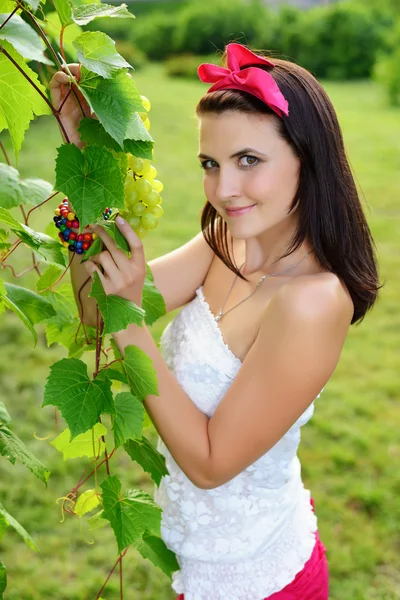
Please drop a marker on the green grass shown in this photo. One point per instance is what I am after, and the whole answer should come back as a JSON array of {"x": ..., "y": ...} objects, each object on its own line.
[{"x": 350, "y": 450}]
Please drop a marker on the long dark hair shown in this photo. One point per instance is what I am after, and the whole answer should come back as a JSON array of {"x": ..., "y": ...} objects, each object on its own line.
[{"x": 330, "y": 211}]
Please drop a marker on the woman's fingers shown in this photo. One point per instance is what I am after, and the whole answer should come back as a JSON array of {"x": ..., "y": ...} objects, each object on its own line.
[{"x": 120, "y": 258}]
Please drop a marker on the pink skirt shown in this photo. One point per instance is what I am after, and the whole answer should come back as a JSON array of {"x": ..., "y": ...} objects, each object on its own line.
[{"x": 311, "y": 583}]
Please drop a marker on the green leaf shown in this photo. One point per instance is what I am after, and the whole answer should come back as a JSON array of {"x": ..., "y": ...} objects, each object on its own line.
[
  {"x": 19, "y": 101},
  {"x": 130, "y": 515},
  {"x": 11, "y": 306},
  {"x": 96, "y": 51},
  {"x": 24, "y": 39},
  {"x": 136, "y": 130},
  {"x": 117, "y": 376},
  {"x": 80, "y": 400},
  {"x": 45, "y": 245},
  {"x": 35, "y": 307},
  {"x": 82, "y": 15},
  {"x": 34, "y": 190},
  {"x": 117, "y": 312},
  {"x": 64, "y": 304},
  {"x": 90, "y": 193},
  {"x": 52, "y": 28},
  {"x": 34, "y": 4},
  {"x": 153, "y": 548},
  {"x": 81, "y": 445},
  {"x": 15, "y": 191},
  {"x": 18, "y": 528},
  {"x": 151, "y": 461},
  {"x": 97, "y": 521},
  {"x": 86, "y": 502},
  {"x": 3, "y": 290},
  {"x": 64, "y": 11},
  {"x": 49, "y": 277},
  {"x": 4, "y": 415},
  {"x": 7, "y": 6},
  {"x": 128, "y": 420},
  {"x": 113, "y": 100},
  {"x": 92, "y": 132},
  {"x": 152, "y": 302},
  {"x": 3, "y": 579},
  {"x": 72, "y": 337},
  {"x": 12, "y": 448},
  {"x": 3, "y": 526},
  {"x": 4, "y": 244},
  {"x": 142, "y": 376}
]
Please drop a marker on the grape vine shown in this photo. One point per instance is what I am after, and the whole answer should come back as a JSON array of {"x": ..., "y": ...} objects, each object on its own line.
[{"x": 111, "y": 167}]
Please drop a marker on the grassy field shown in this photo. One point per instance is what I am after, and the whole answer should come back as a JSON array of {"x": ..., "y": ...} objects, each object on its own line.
[{"x": 350, "y": 450}]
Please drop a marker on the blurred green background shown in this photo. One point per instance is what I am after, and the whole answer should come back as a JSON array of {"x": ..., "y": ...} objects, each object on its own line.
[{"x": 350, "y": 450}]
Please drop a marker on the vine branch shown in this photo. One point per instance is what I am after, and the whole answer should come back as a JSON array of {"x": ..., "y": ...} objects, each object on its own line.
[{"x": 9, "y": 17}]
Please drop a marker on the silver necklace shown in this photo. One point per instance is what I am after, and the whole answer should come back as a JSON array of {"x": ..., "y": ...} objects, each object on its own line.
[{"x": 222, "y": 314}]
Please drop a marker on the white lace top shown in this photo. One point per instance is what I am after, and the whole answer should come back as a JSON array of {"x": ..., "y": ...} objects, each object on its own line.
[{"x": 249, "y": 537}]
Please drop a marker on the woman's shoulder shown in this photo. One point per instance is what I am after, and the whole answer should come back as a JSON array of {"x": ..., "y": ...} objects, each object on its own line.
[{"x": 318, "y": 294}]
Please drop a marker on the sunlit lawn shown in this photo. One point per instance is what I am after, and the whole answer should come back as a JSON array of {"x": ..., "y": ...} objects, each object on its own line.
[{"x": 350, "y": 450}]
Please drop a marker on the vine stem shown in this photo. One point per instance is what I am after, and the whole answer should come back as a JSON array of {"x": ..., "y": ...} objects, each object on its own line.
[
  {"x": 5, "y": 153},
  {"x": 37, "y": 206},
  {"x": 3, "y": 266},
  {"x": 119, "y": 559},
  {"x": 14, "y": 247},
  {"x": 9, "y": 17},
  {"x": 62, "y": 43},
  {"x": 92, "y": 472},
  {"x": 53, "y": 110},
  {"x": 44, "y": 38}
]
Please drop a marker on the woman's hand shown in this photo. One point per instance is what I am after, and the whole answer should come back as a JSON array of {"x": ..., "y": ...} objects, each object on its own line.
[
  {"x": 123, "y": 276},
  {"x": 71, "y": 114}
]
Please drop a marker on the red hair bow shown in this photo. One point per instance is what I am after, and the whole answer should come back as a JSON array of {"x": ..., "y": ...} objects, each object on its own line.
[{"x": 255, "y": 81}]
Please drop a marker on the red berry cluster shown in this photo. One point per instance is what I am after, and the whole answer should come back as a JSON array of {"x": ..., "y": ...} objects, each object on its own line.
[{"x": 66, "y": 221}]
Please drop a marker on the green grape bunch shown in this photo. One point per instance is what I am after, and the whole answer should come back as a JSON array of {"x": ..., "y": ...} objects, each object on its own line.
[{"x": 142, "y": 189}]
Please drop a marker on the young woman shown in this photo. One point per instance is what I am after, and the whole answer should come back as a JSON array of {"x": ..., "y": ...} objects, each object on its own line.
[{"x": 283, "y": 265}]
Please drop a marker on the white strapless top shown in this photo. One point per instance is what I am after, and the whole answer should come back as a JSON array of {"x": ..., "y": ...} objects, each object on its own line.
[{"x": 248, "y": 538}]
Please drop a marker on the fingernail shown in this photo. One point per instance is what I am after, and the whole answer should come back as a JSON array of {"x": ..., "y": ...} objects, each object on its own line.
[{"x": 120, "y": 221}]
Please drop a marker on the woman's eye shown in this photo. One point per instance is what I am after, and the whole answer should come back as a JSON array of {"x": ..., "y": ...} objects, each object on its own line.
[{"x": 252, "y": 161}]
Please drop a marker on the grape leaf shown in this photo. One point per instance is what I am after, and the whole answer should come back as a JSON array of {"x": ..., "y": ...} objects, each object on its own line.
[
  {"x": 11, "y": 447},
  {"x": 82, "y": 444},
  {"x": 64, "y": 11},
  {"x": 64, "y": 305},
  {"x": 19, "y": 101},
  {"x": 117, "y": 312},
  {"x": 45, "y": 245},
  {"x": 97, "y": 521},
  {"x": 130, "y": 515},
  {"x": 52, "y": 27},
  {"x": 34, "y": 190},
  {"x": 136, "y": 130},
  {"x": 80, "y": 400},
  {"x": 7, "y": 6},
  {"x": 82, "y": 15},
  {"x": 69, "y": 337},
  {"x": 91, "y": 179},
  {"x": 3, "y": 579},
  {"x": 35, "y": 307},
  {"x": 18, "y": 528},
  {"x": 116, "y": 375},
  {"x": 152, "y": 302},
  {"x": 2, "y": 287},
  {"x": 49, "y": 277},
  {"x": 128, "y": 420},
  {"x": 151, "y": 461},
  {"x": 24, "y": 39},
  {"x": 11, "y": 306},
  {"x": 96, "y": 51},
  {"x": 34, "y": 4},
  {"x": 92, "y": 132},
  {"x": 4, "y": 416},
  {"x": 142, "y": 376},
  {"x": 4, "y": 244},
  {"x": 86, "y": 502},
  {"x": 153, "y": 548},
  {"x": 113, "y": 100}
]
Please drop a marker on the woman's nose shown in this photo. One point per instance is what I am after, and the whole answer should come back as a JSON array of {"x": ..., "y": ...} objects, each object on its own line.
[{"x": 228, "y": 185}]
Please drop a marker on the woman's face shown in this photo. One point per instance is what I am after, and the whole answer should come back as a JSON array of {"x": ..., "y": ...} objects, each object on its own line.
[{"x": 245, "y": 163}]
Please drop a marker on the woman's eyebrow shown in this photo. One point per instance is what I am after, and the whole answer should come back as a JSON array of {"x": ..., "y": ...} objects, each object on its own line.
[{"x": 244, "y": 151}]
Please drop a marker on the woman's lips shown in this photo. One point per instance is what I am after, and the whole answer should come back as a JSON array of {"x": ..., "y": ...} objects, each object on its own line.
[{"x": 238, "y": 211}]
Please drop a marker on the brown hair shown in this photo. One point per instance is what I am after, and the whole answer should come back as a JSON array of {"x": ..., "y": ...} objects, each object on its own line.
[{"x": 330, "y": 211}]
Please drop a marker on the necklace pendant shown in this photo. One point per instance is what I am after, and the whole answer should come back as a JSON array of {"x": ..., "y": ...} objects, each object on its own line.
[{"x": 219, "y": 315}]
